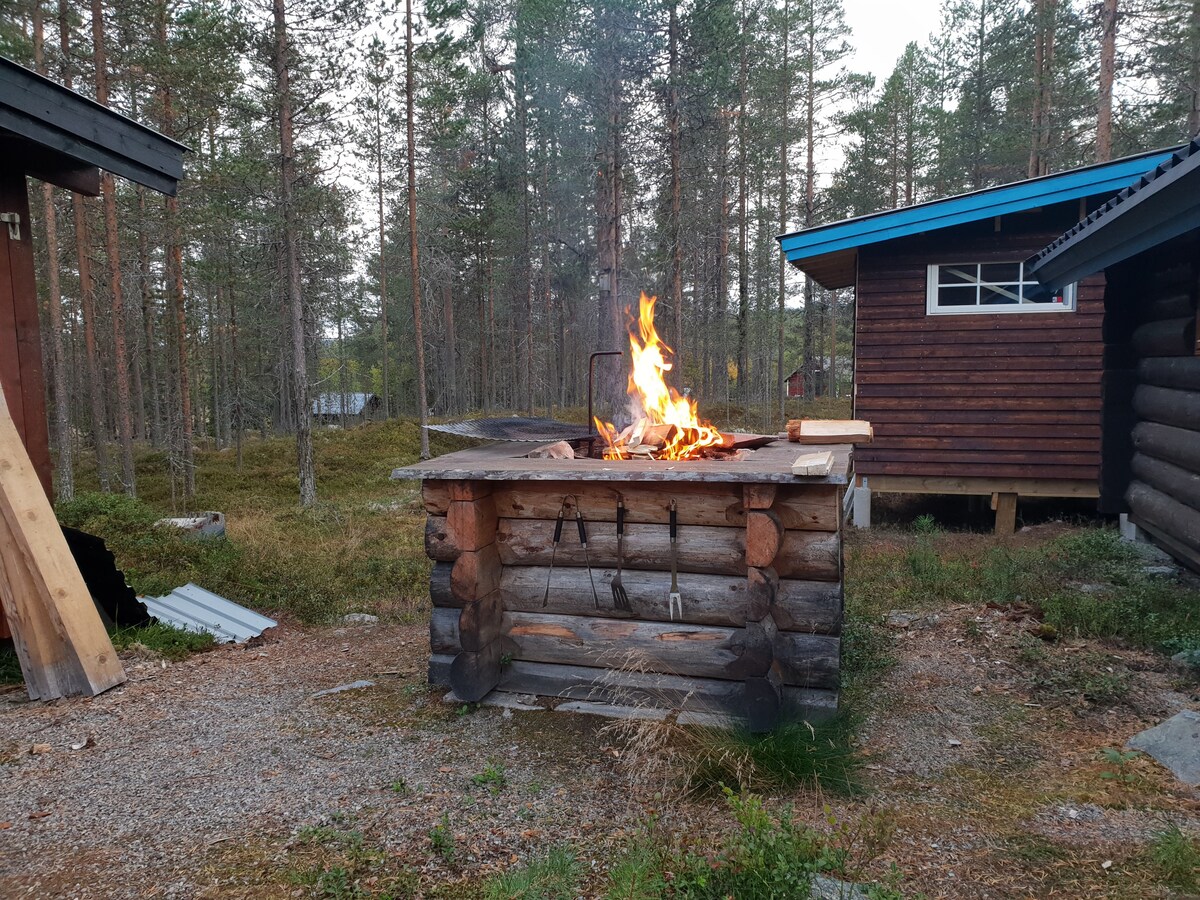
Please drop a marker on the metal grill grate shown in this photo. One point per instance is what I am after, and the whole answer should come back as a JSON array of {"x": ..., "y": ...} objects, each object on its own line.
[{"x": 514, "y": 428}]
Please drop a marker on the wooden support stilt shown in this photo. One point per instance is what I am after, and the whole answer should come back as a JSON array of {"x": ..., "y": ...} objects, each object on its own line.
[{"x": 1005, "y": 506}]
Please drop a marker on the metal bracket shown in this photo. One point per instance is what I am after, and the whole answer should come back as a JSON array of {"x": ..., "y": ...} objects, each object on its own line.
[{"x": 14, "y": 225}]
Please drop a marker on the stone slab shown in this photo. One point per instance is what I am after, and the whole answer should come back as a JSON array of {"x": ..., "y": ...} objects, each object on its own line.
[{"x": 1175, "y": 743}]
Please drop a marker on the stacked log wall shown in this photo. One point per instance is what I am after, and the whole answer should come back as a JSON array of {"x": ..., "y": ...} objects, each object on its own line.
[
  {"x": 760, "y": 573},
  {"x": 1162, "y": 288}
]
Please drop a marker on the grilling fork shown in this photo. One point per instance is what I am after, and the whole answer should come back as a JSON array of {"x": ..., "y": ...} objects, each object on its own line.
[
  {"x": 674, "y": 600},
  {"x": 620, "y": 597},
  {"x": 554, "y": 552}
]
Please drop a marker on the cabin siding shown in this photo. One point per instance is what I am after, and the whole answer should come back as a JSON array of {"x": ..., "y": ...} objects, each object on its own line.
[{"x": 1003, "y": 395}]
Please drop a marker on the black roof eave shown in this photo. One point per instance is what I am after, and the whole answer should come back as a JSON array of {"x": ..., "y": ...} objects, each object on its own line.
[
  {"x": 45, "y": 112},
  {"x": 1163, "y": 206}
]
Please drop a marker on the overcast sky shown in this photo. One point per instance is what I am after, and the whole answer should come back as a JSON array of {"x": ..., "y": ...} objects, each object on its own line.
[{"x": 882, "y": 29}]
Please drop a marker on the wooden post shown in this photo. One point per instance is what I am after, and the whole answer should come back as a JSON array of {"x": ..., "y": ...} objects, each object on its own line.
[{"x": 1005, "y": 506}]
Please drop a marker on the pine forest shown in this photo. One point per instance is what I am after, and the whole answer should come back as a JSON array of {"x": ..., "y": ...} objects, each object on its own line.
[{"x": 450, "y": 203}]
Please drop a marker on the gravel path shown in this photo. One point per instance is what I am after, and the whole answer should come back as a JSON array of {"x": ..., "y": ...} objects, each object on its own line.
[{"x": 229, "y": 748}]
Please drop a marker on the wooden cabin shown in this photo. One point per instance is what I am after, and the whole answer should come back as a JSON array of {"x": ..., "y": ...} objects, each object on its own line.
[
  {"x": 54, "y": 135},
  {"x": 977, "y": 379},
  {"x": 346, "y": 410},
  {"x": 1146, "y": 241}
]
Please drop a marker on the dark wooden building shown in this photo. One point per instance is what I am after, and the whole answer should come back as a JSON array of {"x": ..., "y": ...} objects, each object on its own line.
[
  {"x": 55, "y": 135},
  {"x": 1146, "y": 241},
  {"x": 976, "y": 378}
]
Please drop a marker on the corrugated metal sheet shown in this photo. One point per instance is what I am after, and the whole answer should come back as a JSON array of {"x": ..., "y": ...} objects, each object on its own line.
[{"x": 192, "y": 608}]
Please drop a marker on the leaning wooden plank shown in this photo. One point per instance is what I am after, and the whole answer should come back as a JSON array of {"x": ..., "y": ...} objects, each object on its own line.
[
  {"x": 819, "y": 463},
  {"x": 52, "y": 592},
  {"x": 830, "y": 431}
]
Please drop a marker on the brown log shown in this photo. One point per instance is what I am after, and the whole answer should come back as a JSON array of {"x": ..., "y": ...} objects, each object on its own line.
[
  {"x": 629, "y": 688},
  {"x": 1179, "y": 372},
  {"x": 476, "y": 574},
  {"x": 645, "y": 502},
  {"x": 670, "y": 648},
  {"x": 754, "y": 650},
  {"x": 764, "y": 537},
  {"x": 762, "y": 700},
  {"x": 1176, "y": 483},
  {"x": 1167, "y": 407},
  {"x": 1170, "y": 337},
  {"x": 438, "y": 544},
  {"x": 810, "y": 555},
  {"x": 481, "y": 622},
  {"x": 472, "y": 524},
  {"x": 473, "y": 674},
  {"x": 802, "y": 507},
  {"x": 814, "y": 606},
  {"x": 759, "y": 496},
  {"x": 443, "y": 630},
  {"x": 435, "y": 495},
  {"x": 441, "y": 589},
  {"x": 703, "y": 549},
  {"x": 470, "y": 490},
  {"x": 762, "y": 592},
  {"x": 1172, "y": 306},
  {"x": 1179, "y": 521},
  {"x": 1175, "y": 445}
]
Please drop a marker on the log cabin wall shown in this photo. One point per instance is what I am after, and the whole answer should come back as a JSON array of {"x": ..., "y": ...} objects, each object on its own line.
[
  {"x": 1158, "y": 436},
  {"x": 760, "y": 573},
  {"x": 996, "y": 396}
]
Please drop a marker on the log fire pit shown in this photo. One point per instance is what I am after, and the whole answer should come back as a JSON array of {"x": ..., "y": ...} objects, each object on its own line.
[{"x": 756, "y": 633}]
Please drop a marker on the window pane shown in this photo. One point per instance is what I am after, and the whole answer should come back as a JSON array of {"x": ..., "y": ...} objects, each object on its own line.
[
  {"x": 1037, "y": 293},
  {"x": 956, "y": 295},
  {"x": 994, "y": 295},
  {"x": 958, "y": 274},
  {"x": 1000, "y": 273}
]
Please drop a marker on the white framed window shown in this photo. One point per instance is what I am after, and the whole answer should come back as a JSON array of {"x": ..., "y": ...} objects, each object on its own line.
[{"x": 992, "y": 287}]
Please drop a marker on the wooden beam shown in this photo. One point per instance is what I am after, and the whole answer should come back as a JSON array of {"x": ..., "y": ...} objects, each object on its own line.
[
  {"x": 1026, "y": 487},
  {"x": 60, "y": 640}
]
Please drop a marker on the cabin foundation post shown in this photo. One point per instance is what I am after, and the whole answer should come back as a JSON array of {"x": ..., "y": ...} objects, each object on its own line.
[
  {"x": 862, "y": 504},
  {"x": 1005, "y": 505},
  {"x": 1130, "y": 531}
]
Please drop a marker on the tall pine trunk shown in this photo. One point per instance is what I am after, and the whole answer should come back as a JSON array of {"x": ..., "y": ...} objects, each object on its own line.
[
  {"x": 291, "y": 247},
  {"x": 383, "y": 294},
  {"x": 413, "y": 252},
  {"x": 65, "y": 483},
  {"x": 675, "y": 129},
  {"x": 112, "y": 243},
  {"x": 784, "y": 138},
  {"x": 743, "y": 315},
  {"x": 1108, "y": 62}
]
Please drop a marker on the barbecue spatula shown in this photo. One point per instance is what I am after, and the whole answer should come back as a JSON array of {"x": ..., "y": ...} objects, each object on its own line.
[{"x": 674, "y": 599}]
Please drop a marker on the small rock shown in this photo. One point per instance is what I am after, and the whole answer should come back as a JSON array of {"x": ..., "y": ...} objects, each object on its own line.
[
  {"x": 1159, "y": 571},
  {"x": 1187, "y": 662},
  {"x": 1175, "y": 743},
  {"x": 352, "y": 686},
  {"x": 901, "y": 619},
  {"x": 359, "y": 619},
  {"x": 953, "y": 743},
  {"x": 1093, "y": 588},
  {"x": 825, "y": 888}
]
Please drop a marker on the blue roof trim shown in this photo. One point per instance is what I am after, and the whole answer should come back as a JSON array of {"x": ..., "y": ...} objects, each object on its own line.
[{"x": 1104, "y": 178}]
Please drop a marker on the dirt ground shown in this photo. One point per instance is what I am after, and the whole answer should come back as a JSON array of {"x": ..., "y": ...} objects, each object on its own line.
[{"x": 223, "y": 776}]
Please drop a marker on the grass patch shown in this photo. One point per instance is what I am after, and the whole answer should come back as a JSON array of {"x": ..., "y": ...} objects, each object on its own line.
[
  {"x": 1083, "y": 674},
  {"x": 554, "y": 876},
  {"x": 1176, "y": 859},
  {"x": 167, "y": 642},
  {"x": 359, "y": 549},
  {"x": 795, "y": 754},
  {"x": 766, "y": 857},
  {"x": 10, "y": 665},
  {"x": 926, "y": 568}
]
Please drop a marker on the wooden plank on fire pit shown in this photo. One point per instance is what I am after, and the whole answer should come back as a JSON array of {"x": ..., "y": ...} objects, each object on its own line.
[{"x": 830, "y": 431}]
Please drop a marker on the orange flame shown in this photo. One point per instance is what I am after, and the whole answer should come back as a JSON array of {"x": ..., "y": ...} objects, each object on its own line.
[{"x": 659, "y": 410}]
